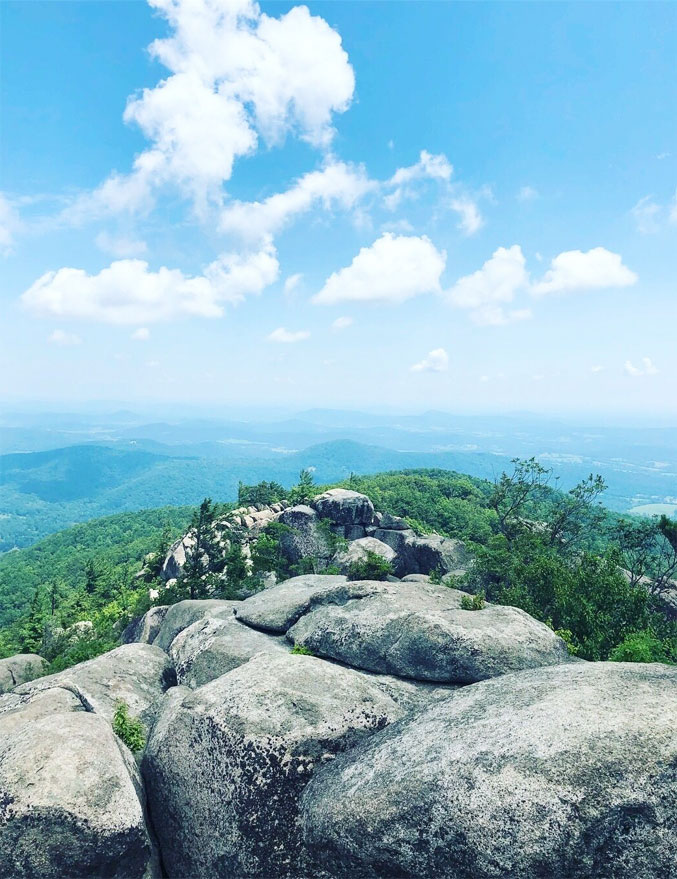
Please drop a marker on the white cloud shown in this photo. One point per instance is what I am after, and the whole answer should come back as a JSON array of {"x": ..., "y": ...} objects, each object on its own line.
[
  {"x": 435, "y": 361},
  {"x": 120, "y": 246},
  {"x": 393, "y": 269},
  {"x": 141, "y": 335},
  {"x": 342, "y": 323},
  {"x": 647, "y": 215},
  {"x": 64, "y": 339},
  {"x": 470, "y": 218},
  {"x": 337, "y": 185},
  {"x": 287, "y": 337},
  {"x": 128, "y": 292},
  {"x": 647, "y": 367},
  {"x": 10, "y": 224},
  {"x": 291, "y": 283},
  {"x": 428, "y": 167},
  {"x": 597, "y": 368},
  {"x": 235, "y": 73},
  {"x": 486, "y": 291},
  {"x": 527, "y": 193},
  {"x": 575, "y": 270}
]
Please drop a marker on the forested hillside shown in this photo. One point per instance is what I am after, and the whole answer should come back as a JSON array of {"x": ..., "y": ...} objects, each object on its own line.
[{"x": 602, "y": 581}]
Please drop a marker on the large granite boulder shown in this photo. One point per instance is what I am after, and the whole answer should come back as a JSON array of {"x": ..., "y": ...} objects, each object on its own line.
[
  {"x": 564, "y": 772},
  {"x": 423, "y": 555},
  {"x": 225, "y": 767},
  {"x": 18, "y": 709},
  {"x": 278, "y": 608},
  {"x": 71, "y": 802},
  {"x": 344, "y": 507},
  {"x": 145, "y": 629},
  {"x": 185, "y": 613},
  {"x": 137, "y": 674},
  {"x": 420, "y": 631},
  {"x": 213, "y": 646},
  {"x": 304, "y": 537},
  {"x": 176, "y": 556},
  {"x": 20, "y": 668},
  {"x": 357, "y": 551}
]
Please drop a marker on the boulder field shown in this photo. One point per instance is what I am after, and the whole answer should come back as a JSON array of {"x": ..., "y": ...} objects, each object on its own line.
[{"x": 334, "y": 729}]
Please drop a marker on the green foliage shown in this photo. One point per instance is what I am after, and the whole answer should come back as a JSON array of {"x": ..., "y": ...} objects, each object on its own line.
[
  {"x": 262, "y": 493},
  {"x": 267, "y": 552},
  {"x": 300, "y": 650},
  {"x": 127, "y": 728},
  {"x": 371, "y": 567},
  {"x": 304, "y": 490},
  {"x": 473, "y": 602},
  {"x": 641, "y": 646}
]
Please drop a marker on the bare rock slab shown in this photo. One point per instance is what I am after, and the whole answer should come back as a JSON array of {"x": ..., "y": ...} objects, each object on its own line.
[
  {"x": 185, "y": 613},
  {"x": 20, "y": 668}
]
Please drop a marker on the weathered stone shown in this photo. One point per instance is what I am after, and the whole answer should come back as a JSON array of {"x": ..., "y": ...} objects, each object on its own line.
[
  {"x": 145, "y": 629},
  {"x": 212, "y": 646},
  {"x": 20, "y": 668},
  {"x": 416, "y": 578},
  {"x": 423, "y": 555},
  {"x": 357, "y": 550},
  {"x": 344, "y": 507},
  {"x": 185, "y": 613},
  {"x": 305, "y": 539},
  {"x": 394, "y": 523},
  {"x": 137, "y": 674},
  {"x": 18, "y": 709},
  {"x": 419, "y": 631},
  {"x": 278, "y": 608},
  {"x": 226, "y": 766},
  {"x": 70, "y": 802},
  {"x": 176, "y": 557},
  {"x": 565, "y": 772}
]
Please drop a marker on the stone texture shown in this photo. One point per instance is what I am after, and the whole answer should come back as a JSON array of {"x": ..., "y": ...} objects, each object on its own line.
[
  {"x": 137, "y": 674},
  {"x": 344, "y": 507},
  {"x": 20, "y": 668},
  {"x": 185, "y": 613},
  {"x": 18, "y": 709},
  {"x": 176, "y": 556},
  {"x": 70, "y": 802},
  {"x": 278, "y": 608},
  {"x": 423, "y": 555},
  {"x": 419, "y": 631},
  {"x": 560, "y": 773},
  {"x": 306, "y": 539},
  {"x": 145, "y": 629},
  {"x": 225, "y": 767},
  {"x": 213, "y": 646}
]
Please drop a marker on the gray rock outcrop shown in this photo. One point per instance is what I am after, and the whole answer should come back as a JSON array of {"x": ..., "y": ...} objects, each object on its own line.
[
  {"x": 71, "y": 802},
  {"x": 305, "y": 539},
  {"x": 213, "y": 646},
  {"x": 185, "y": 613},
  {"x": 420, "y": 631},
  {"x": 357, "y": 550},
  {"x": 344, "y": 507},
  {"x": 20, "y": 668},
  {"x": 145, "y": 629},
  {"x": 423, "y": 555},
  {"x": 137, "y": 674},
  {"x": 557, "y": 772},
  {"x": 225, "y": 767}
]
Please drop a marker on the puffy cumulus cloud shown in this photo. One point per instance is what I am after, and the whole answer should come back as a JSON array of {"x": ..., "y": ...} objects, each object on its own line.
[
  {"x": 236, "y": 74},
  {"x": 647, "y": 368},
  {"x": 342, "y": 323},
  {"x": 10, "y": 224},
  {"x": 337, "y": 185},
  {"x": 436, "y": 360},
  {"x": 485, "y": 292},
  {"x": 64, "y": 339},
  {"x": 470, "y": 218},
  {"x": 141, "y": 335},
  {"x": 288, "y": 337},
  {"x": 575, "y": 270},
  {"x": 120, "y": 245},
  {"x": 128, "y": 292},
  {"x": 393, "y": 269}
]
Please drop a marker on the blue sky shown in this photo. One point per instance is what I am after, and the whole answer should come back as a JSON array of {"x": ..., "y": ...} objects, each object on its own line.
[{"x": 468, "y": 206}]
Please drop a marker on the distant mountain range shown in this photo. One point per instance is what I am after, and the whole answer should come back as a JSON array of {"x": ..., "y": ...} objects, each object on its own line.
[{"x": 59, "y": 470}]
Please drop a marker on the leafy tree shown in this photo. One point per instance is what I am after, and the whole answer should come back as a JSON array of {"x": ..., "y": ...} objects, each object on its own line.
[
  {"x": 641, "y": 646},
  {"x": 267, "y": 554},
  {"x": 262, "y": 493},
  {"x": 197, "y": 566},
  {"x": 127, "y": 728},
  {"x": 648, "y": 551},
  {"x": 237, "y": 570},
  {"x": 305, "y": 489},
  {"x": 32, "y": 630}
]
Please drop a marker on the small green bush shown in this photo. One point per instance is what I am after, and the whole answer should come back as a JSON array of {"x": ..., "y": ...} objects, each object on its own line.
[
  {"x": 640, "y": 647},
  {"x": 371, "y": 567},
  {"x": 129, "y": 729},
  {"x": 473, "y": 602},
  {"x": 300, "y": 650}
]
